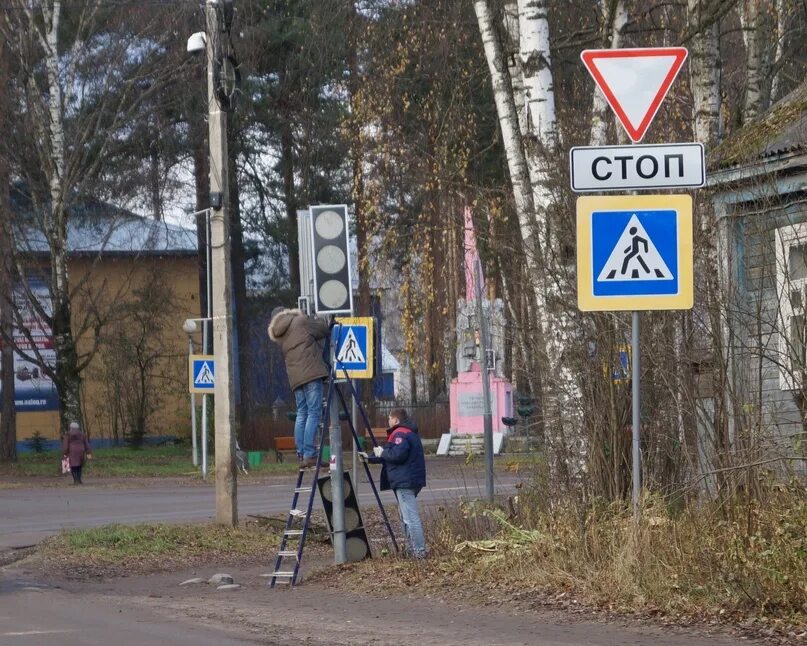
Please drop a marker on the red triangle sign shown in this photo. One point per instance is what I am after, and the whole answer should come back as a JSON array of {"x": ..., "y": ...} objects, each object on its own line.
[{"x": 634, "y": 81}]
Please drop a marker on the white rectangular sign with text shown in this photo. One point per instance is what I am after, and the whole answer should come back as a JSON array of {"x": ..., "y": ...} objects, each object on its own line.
[{"x": 622, "y": 168}]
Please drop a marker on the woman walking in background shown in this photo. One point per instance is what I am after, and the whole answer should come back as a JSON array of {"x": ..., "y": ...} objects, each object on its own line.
[{"x": 76, "y": 449}]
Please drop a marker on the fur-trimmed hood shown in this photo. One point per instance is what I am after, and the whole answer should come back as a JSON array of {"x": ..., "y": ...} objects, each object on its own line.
[
  {"x": 280, "y": 323},
  {"x": 301, "y": 340}
]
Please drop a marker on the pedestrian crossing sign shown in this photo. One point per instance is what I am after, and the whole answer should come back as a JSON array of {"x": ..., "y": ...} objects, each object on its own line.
[
  {"x": 634, "y": 252},
  {"x": 353, "y": 340},
  {"x": 202, "y": 373}
]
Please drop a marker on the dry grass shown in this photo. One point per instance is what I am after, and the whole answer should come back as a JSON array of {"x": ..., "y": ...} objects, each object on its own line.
[
  {"x": 114, "y": 550},
  {"x": 745, "y": 558},
  {"x": 742, "y": 561}
]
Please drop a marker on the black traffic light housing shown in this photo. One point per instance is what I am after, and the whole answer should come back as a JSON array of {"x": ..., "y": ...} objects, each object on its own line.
[
  {"x": 333, "y": 291},
  {"x": 357, "y": 547}
]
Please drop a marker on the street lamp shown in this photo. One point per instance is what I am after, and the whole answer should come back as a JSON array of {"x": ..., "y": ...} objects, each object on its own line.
[{"x": 190, "y": 327}]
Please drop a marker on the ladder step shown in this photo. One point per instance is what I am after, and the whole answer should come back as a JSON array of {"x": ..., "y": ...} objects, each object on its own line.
[
  {"x": 284, "y": 575},
  {"x": 293, "y": 532},
  {"x": 303, "y": 489},
  {"x": 296, "y": 513},
  {"x": 288, "y": 553}
]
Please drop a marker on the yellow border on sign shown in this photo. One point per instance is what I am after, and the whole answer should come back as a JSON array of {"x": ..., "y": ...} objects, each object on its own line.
[
  {"x": 586, "y": 300},
  {"x": 364, "y": 321},
  {"x": 199, "y": 357}
]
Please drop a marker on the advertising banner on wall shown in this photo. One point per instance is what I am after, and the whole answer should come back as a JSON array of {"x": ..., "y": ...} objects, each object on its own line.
[{"x": 33, "y": 389}]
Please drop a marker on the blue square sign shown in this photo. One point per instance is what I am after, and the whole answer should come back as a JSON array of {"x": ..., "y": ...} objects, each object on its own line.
[
  {"x": 634, "y": 252},
  {"x": 202, "y": 373},
  {"x": 354, "y": 346}
]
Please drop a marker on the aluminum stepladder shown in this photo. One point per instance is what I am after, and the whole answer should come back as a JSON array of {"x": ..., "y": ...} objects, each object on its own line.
[{"x": 293, "y": 531}]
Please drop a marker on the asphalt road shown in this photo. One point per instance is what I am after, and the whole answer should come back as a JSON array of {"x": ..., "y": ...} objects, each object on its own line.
[{"x": 31, "y": 514}]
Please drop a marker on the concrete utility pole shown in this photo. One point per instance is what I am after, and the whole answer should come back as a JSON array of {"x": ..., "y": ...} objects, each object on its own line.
[{"x": 224, "y": 420}]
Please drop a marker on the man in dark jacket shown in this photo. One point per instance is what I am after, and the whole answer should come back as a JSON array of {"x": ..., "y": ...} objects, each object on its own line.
[
  {"x": 404, "y": 472},
  {"x": 300, "y": 338}
]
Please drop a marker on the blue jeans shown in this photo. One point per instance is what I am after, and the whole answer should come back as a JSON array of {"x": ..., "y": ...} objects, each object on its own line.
[
  {"x": 308, "y": 399},
  {"x": 410, "y": 519}
]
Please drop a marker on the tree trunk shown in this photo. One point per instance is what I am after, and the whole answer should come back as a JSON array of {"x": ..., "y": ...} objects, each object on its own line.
[
  {"x": 508, "y": 122},
  {"x": 749, "y": 19},
  {"x": 704, "y": 78},
  {"x": 8, "y": 415},
  {"x": 201, "y": 176},
  {"x": 614, "y": 19},
  {"x": 68, "y": 379},
  {"x": 287, "y": 166},
  {"x": 778, "y": 58},
  {"x": 238, "y": 274}
]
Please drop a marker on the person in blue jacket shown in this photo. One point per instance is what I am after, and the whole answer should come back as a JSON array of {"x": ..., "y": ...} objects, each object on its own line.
[{"x": 404, "y": 472}]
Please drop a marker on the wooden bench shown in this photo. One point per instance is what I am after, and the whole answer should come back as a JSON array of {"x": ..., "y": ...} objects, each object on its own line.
[
  {"x": 380, "y": 435},
  {"x": 284, "y": 444}
]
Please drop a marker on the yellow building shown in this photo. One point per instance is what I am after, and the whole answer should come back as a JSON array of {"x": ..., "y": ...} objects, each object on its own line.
[{"x": 133, "y": 283}]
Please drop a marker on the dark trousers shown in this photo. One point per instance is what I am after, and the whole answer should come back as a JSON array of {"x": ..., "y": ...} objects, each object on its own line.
[{"x": 76, "y": 473}]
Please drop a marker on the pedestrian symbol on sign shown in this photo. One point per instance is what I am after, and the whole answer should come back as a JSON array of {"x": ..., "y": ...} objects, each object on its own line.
[
  {"x": 350, "y": 352},
  {"x": 204, "y": 376},
  {"x": 635, "y": 257}
]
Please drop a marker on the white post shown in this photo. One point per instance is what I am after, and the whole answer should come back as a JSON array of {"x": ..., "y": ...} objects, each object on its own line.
[{"x": 193, "y": 415}]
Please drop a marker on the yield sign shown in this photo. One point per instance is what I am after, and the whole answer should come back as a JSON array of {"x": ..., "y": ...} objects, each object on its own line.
[{"x": 634, "y": 81}]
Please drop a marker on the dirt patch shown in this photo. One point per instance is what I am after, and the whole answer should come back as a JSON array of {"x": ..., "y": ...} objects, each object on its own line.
[{"x": 329, "y": 608}]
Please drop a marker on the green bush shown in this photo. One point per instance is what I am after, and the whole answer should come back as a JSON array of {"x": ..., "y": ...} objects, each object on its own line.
[{"x": 36, "y": 442}]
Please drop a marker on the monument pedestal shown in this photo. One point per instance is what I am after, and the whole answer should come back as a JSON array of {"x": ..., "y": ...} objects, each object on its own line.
[{"x": 467, "y": 405}]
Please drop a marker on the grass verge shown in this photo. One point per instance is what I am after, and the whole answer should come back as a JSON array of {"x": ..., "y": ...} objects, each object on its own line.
[
  {"x": 117, "y": 549},
  {"x": 162, "y": 461}
]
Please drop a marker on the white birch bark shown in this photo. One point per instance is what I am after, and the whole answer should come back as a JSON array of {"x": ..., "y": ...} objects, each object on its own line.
[
  {"x": 555, "y": 306},
  {"x": 508, "y": 120},
  {"x": 704, "y": 78},
  {"x": 614, "y": 19},
  {"x": 512, "y": 45},
  {"x": 781, "y": 25},
  {"x": 533, "y": 24},
  {"x": 749, "y": 20},
  {"x": 57, "y": 232}
]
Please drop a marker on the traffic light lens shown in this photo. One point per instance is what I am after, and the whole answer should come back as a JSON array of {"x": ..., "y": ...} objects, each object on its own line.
[
  {"x": 331, "y": 259},
  {"x": 355, "y": 549},
  {"x": 326, "y": 489},
  {"x": 329, "y": 225},
  {"x": 333, "y": 294}
]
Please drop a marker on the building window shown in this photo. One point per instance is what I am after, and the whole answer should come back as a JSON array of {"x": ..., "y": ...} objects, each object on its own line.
[{"x": 791, "y": 288}]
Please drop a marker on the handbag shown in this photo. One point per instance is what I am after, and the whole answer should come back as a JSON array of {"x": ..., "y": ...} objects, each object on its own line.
[{"x": 65, "y": 465}]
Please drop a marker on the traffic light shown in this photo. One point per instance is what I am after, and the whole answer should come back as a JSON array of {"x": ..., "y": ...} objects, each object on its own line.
[
  {"x": 357, "y": 547},
  {"x": 333, "y": 292}
]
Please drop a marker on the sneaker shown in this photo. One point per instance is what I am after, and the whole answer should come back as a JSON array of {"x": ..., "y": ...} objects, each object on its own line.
[{"x": 307, "y": 463}]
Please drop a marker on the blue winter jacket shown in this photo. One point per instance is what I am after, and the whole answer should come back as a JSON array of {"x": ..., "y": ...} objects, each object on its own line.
[{"x": 403, "y": 459}]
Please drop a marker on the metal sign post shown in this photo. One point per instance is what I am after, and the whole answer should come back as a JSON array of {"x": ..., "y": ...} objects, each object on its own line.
[
  {"x": 487, "y": 416},
  {"x": 637, "y": 407},
  {"x": 635, "y": 252}
]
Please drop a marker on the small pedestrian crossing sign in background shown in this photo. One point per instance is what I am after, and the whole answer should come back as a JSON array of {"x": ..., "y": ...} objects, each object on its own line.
[
  {"x": 634, "y": 252},
  {"x": 202, "y": 373},
  {"x": 354, "y": 347}
]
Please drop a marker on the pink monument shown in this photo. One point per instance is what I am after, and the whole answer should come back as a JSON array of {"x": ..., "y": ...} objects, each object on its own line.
[{"x": 465, "y": 398}]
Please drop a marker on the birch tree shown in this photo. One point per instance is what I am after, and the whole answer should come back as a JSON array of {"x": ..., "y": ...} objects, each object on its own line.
[
  {"x": 81, "y": 74},
  {"x": 614, "y": 18},
  {"x": 532, "y": 154},
  {"x": 749, "y": 20},
  {"x": 704, "y": 72}
]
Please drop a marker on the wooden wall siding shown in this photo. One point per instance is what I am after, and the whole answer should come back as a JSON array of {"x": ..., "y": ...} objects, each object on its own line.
[{"x": 765, "y": 409}]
